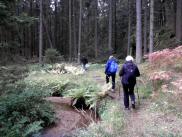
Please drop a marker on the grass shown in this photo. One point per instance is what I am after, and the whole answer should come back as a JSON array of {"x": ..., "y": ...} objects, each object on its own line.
[
  {"x": 112, "y": 123},
  {"x": 167, "y": 103},
  {"x": 144, "y": 90},
  {"x": 169, "y": 135}
]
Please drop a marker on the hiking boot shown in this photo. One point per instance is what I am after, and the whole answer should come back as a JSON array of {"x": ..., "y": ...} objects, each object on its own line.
[
  {"x": 133, "y": 106},
  {"x": 112, "y": 90},
  {"x": 127, "y": 108}
]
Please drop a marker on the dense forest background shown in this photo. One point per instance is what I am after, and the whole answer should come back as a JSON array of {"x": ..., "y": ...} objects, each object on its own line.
[{"x": 94, "y": 28}]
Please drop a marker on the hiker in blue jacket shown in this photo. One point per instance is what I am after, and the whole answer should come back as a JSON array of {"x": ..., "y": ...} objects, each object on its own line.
[
  {"x": 110, "y": 70},
  {"x": 129, "y": 72}
]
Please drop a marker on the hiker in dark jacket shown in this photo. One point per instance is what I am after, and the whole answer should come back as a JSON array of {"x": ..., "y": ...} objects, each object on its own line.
[
  {"x": 129, "y": 72},
  {"x": 110, "y": 70},
  {"x": 84, "y": 61}
]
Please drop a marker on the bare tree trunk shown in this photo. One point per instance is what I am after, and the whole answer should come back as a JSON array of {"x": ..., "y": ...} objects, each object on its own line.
[
  {"x": 110, "y": 26},
  {"x": 179, "y": 22},
  {"x": 138, "y": 33},
  {"x": 70, "y": 34},
  {"x": 115, "y": 26},
  {"x": 96, "y": 31},
  {"x": 40, "y": 34},
  {"x": 47, "y": 32},
  {"x": 145, "y": 27},
  {"x": 151, "y": 26},
  {"x": 56, "y": 24},
  {"x": 74, "y": 30},
  {"x": 129, "y": 28},
  {"x": 80, "y": 31}
]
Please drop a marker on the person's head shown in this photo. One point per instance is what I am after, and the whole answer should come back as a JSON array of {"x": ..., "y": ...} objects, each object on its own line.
[
  {"x": 129, "y": 58},
  {"x": 111, "y": 57}
]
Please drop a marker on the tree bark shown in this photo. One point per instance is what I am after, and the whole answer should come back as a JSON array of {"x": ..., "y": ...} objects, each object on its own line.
[
  {"x": 110, "y": 26},
  {"x": 80, "y": 32},
  {"x": 138, "y": 33},
  {"x": 96, "y": 30},
  {"x": 129, "y": 28},
  {"x": 40, "y": 33},
  {"x": 151, "y": 26},
  {"x": 145, "y": 27},
  {"x": 70, "y": 32},
  {"x": 74, "y": 30},
  {"x": 56, "y": 23},
  {"x": 47, "y": 32},
  {"x": 179, "y": 22}
]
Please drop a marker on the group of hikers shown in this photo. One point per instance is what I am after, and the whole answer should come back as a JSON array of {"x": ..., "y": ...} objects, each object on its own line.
[{"x": 128, "y": 73}]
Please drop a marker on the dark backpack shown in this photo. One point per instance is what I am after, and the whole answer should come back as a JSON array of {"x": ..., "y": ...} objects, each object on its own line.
[
  {"x": 130, "y": 72},
  {"x": 113, "y": 67}
]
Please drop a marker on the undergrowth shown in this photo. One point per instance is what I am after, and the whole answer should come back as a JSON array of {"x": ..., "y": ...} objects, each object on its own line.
[
  {"x": 112, "y": 123},
  {"x": 167, "y": 103},
  {"x": 24, "y": 112},
  {"x": 67, "y": 85}
]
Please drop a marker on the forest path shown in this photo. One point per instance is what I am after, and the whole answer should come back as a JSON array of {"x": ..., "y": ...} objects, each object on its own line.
[
  {"x": 67, "y": 118},
  {"x": 143, "y": 121}
]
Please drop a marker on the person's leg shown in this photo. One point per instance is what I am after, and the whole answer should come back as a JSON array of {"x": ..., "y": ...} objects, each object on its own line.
[
  {"x": 132, "y": 95},
  {"x": 126, "y": 96},
  {"x": 107, "y": 78},
  {"x": 113, "y": 80},
  {"x": 84, "y": 67}
]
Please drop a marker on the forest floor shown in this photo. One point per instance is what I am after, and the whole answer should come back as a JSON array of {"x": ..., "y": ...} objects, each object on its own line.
[
  {"x": 159, "y": 113},
  {"x": 67, "y": 118},
  {"x": 144, "y": 121}
]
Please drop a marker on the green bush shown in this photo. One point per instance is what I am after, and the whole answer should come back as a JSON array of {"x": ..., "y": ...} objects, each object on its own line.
[
  {"x": 10, "y": 75},
  {"x": 24, "y": 113},
  {"x": 51, "y": 55},
  {"x": 85, "y": 89},
  {"x": 48, "y": 83}
]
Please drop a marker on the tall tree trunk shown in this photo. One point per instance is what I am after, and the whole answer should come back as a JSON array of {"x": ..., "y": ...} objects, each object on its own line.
[
  {"x": 110, "y": 26},
  {"x": 151, "y": 26},
  {"x": 179, "y": 22},
  {"x": 96, "y": 30},
  {"x": 115, "y": 26},
  {"x": 56, "y": 23},
  {"x": 40, "y": 34},
  {"x": 129, "y": 28},
  {"x": 47, "y": 32},
  {"x": 70, "y": 30},
  {"x": 74, "y": 29},
  {"x": 138, "y": 32},
  {"x": 145, "y": 27},
  {"x": 80, "y": 31}
]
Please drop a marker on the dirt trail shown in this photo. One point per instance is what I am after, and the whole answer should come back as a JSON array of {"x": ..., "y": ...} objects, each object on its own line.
[
  {"x": 67, "y": 118},
  {"x": 142, "y": 122}
]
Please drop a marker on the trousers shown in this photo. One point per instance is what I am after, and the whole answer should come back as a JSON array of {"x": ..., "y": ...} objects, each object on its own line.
[
  {"x": 128, "y": 92},
  {"x": 113, "y": 76}
]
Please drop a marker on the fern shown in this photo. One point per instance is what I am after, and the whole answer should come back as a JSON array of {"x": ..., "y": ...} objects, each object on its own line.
[{"x": 33, "y": 128}]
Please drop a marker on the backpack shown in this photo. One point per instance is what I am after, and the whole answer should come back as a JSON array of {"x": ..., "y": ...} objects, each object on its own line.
[
  {"x": 113, "y": 67},
  {"x": 130, "y": 72}
]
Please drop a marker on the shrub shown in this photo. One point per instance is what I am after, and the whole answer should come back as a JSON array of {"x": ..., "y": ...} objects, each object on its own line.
[
  {"x": 11, "y": 74},
  {"x": 24, "y": 113},
  {"x": 85, "y": 89},
  {"x": 51, "y": 55},
  {"x": 165, "y": 58}
]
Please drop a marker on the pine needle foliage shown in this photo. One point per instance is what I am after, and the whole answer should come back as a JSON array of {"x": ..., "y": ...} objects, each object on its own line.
[{"x": 23, "y": 113}]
